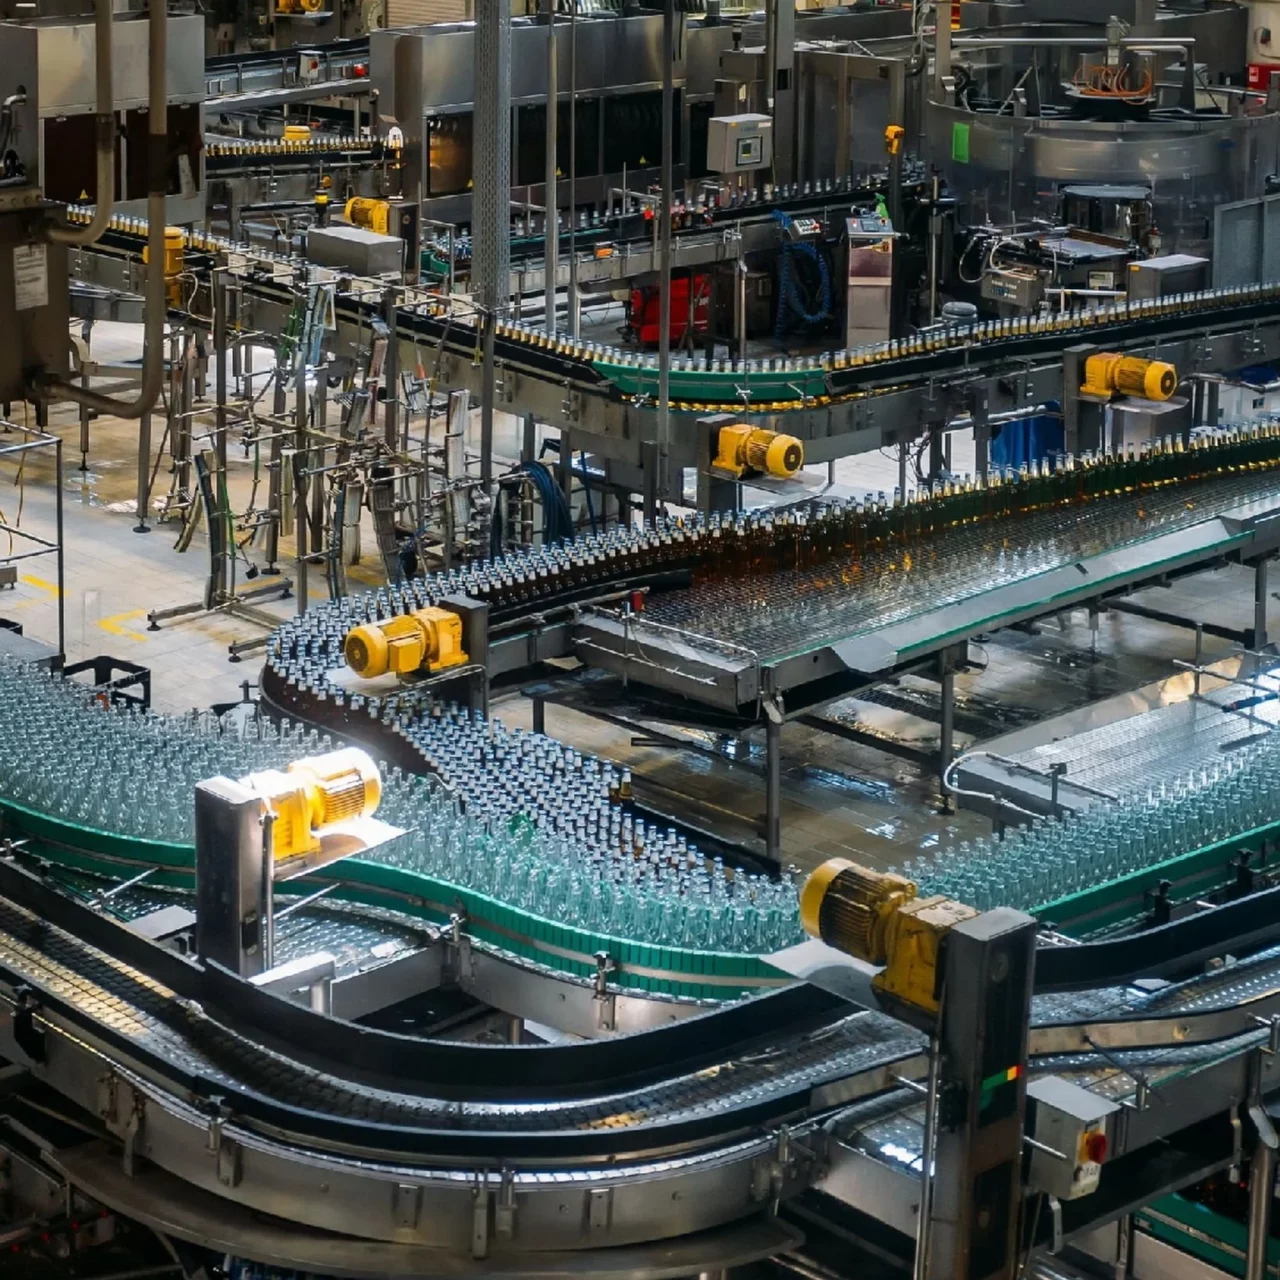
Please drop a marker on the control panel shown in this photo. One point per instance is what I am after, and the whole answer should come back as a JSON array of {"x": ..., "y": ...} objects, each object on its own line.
[
  {"x": 804, "y": 228},
  {"x": 738, "y": 144},
  {"x": 1068, "y": 1126}
]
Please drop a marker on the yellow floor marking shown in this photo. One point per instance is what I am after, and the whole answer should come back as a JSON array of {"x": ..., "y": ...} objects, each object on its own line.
[
  {"x": 32, "y": 581},
  {"x": 112, "y": 624}
]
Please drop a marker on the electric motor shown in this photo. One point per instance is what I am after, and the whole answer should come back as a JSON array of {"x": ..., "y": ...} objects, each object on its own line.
[
  {"x": 851, "y": 908},
  {"x": 741, "y": 448},
  {"x": 316, "y": 793},
  {"x": 429, "y": 638},
  {"x": 1109, "y": 371}
]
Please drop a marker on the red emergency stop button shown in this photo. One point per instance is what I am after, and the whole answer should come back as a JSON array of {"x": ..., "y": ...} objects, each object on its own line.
[
  {"x": 1095, "y": 1147},
  {"x": 359, "y": 71}
]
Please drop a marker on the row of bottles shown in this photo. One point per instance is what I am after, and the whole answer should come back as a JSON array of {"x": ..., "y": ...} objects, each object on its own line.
[
  {"x": 556, "y": 835},
  {"x": 748, "y": 545},
  {"x": 514, "y": 815},
  {"x": 1055, "y": 858},
  {"x": 936, "y": 338},
  {"x": 266, "y": 147},
  {"x": 779, "y": 372}
]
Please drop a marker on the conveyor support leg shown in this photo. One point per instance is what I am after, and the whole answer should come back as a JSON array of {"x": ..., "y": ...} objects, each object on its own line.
[
  {"x": 946, "y": 736},
  {"x": 773, "y": 785},
  {"x": 1262, "y": 1177},
  {"x": 1260, "y": 577}
]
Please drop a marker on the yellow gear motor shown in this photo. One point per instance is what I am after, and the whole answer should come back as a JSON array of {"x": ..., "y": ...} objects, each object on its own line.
[
  {"x": 741, "y": 448},
  {"x": 429, "y": 639},
  {"x": 175, "y": 246},
  {"x": 876, "y": 916},
  {"x": 1109, "y": 372},
  {"x": 371, "y": 214},
  {"x": 316, "y": 793}
]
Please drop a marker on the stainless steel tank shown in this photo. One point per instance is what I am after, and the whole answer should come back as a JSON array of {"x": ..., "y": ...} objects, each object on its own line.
[{"x": 1002, "y": 168}]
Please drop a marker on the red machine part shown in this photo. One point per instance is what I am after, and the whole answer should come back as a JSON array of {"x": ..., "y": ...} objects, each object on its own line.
[
  {"x": 644, "y": 308},
  {"x": 1262, "y": 58}
]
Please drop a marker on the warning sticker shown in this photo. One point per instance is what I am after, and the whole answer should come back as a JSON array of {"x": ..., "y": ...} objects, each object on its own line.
[{"x": 30, "y": 277}]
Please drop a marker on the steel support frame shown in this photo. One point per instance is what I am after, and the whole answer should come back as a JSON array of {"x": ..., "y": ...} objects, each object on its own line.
[
  {"x": 490, "y": 228},
  {"x": 618, "y": 431},
  {"x": 972, "y": 1231}
]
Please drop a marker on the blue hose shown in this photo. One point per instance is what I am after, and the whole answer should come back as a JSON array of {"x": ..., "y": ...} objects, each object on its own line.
[
  {"x": 557, "y": 520},
  {"x": 790, "y": 303}
]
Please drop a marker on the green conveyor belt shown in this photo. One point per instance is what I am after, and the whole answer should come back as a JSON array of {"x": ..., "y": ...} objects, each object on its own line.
[{"x": 703, "y": 975}]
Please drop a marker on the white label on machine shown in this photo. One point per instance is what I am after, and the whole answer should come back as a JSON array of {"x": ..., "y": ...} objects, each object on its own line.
[{"x": 30, "y": 277}]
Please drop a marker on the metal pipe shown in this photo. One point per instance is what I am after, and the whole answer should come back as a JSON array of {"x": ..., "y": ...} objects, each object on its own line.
[
  {"x": 1262, "y": 1177},
  {"x": 300, "y": 455},
  {"x": 575, "y": 310},
  {"x": 144, "y": 471},
  {"x": 773, "y": 787},
  {"x": 551, "y": 256},
  {"x": 1178, "y": 43},
  {"x": 924, "y": 1222},
  {"x": 105, "y": 139},
  {"x": 664, "y": 270},
  {"x": 740, "y": 309},
  {"x": 935, "y": 237},
  {"x": 391, "y": 370},
  {"x": 57, "y": 476},
  {"x": 50, "y": 387}
]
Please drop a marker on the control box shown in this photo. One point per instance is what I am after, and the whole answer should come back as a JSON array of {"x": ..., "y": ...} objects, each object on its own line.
[
  {"x": 1019, "y": 290},
  {"x": 1072, "y": 1123},
  {"x": 869, "y": 280},
  {"x": 1169, "y": 274},
  {"x": 34, "y": 303},
  {"x": 354, "y": 249},
  {"x": 804, "y": 228},
  {"x": 738, "y": 144}
]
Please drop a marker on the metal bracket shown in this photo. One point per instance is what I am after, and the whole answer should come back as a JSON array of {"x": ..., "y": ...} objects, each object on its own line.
[
  {"x": 1237, "y": 1144},
  {"x": 228, "y": 1162},
  {"x": 224, "y": 1149},
  {"x": 1251, "y": 343},
  {"x": 457, "y": 951},
  {"x": 221, "y": 1114},
  {"x": 29, "y": 1038},
  {"x": 131, "y": 1131},
  {"x": 406, "y": 1205},
  {"x": 481, "y": 1197},
  {"x": 1272, "y": 1024},
  {"x": 780, "y": 1167},
  {"x": 599, "y": 1209},
  {"x": 1055, "y": 1209},
  {"x": 1262, "y": 1123},
  {"x": 109, "y": 1098},
  {"x": 1141, "y": 1094},
  {"x": 606, "y": 1001},
  {"x": 1201, "y": 353},
  {"x": 504, "y": 1216}
]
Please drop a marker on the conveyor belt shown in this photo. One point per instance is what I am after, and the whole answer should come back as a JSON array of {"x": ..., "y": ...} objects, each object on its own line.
[
  {"x": 761, "y": 1077},
  {"x": 784, "y": 614},
  {"x": 775, "y": 386}
]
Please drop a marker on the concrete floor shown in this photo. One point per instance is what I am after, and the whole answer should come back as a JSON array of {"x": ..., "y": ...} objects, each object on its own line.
[{"x": 838, "y": 797}]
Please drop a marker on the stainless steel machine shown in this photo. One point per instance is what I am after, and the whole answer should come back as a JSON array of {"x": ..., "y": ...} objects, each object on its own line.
[{"x": 52, "y": 62}]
